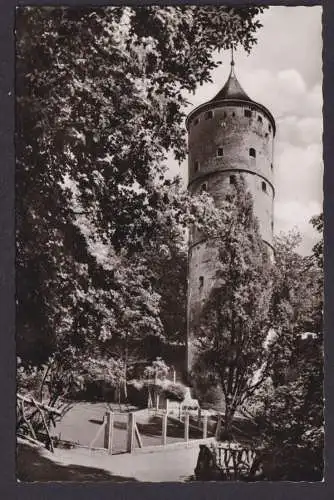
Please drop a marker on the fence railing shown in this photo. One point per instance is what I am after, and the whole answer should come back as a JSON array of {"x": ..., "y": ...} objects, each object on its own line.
[
  {"x": 134, "y": 439},
  {"x": 228, "y": 462}
]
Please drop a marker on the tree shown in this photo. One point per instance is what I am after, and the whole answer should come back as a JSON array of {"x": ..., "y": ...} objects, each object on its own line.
[
  {"x": 296, "y": 303},
  {"x": 289, "y": 411},
  {"x": 318, "y": 250},
  {"x": 100, "y": 102},
  {"x": 231, "y": 333}
]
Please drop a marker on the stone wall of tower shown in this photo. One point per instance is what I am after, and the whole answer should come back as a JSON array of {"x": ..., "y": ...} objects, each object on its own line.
[{"x": 221, "y": 136}]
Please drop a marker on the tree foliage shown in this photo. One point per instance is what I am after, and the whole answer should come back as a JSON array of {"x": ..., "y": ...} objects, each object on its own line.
[
  {"x": 100, "y": 102},
  {"x": 233, "y": 327},
  {"x": 289, "y": 407}
]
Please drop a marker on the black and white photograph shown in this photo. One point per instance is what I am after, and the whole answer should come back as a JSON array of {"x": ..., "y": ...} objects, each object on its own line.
[{"x": 169, "y": 243}]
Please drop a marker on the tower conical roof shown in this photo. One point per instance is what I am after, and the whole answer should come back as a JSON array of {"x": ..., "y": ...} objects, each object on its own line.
[
  {"x": 232, "y": 89},
  {"x": 232, "y": 92}
]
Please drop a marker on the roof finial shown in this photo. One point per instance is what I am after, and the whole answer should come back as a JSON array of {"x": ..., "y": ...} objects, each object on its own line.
[{"x": 232, "y": 61}]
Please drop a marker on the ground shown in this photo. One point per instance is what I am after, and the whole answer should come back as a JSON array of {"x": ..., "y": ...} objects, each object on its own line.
[
  {"x": 82, "y": 425},
  {"x": 38, "y": 464}
]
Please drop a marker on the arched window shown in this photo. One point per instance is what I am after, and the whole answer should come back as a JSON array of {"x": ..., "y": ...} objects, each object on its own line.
[
  {"x": 232, "y": 179},
  {"x": 204, "y": 187},
  {"x": 248, "y": 113},
  {"x": 201, "y": 281},
  {"x": 264, "y": 187},
  {"x": 196, "y": 166},
  {"x": 252, "y": 152},
  {"x": 220, "y": 152},
  {"x": 208, "y": 115},
  {"x": 259, "y": 118}
]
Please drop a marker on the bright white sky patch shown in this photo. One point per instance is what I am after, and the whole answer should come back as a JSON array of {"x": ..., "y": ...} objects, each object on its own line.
[{"x": 284, "y": 73}]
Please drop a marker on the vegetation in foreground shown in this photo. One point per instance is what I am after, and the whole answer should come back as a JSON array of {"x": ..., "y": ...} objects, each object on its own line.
[{"x": 101, "y": 248}]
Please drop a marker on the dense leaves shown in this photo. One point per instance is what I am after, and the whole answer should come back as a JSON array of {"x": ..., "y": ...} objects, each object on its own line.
[
  {"x": 289, "y": 407},
  {"x": 233, "y": 327},
  {"x": 100, "y": 102}
]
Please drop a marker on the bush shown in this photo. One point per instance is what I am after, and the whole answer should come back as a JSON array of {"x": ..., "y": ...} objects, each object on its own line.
[
  {"x": 29, "y": 379},
  {"x": 98, "y": 390},
  {"x": 174, "y": 392},
  {"x": 137, "y": 393}
]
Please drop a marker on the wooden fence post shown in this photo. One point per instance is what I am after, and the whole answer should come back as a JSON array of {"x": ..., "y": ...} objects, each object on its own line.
[
  {"x": 131, "y": 432},
  {"x": 205, "y": 426},
  {"x": 219, "y": 425},
  {"x": 157, "y": 401},
  {"x": 137, "y": 435},
  {"x": 186, "y": 426},
  {"x": 167, "y": 405},
  {"x": 164, "y": 428},
  {"x": 199, "y": 414},
  {"x": 108, "y": 431}
]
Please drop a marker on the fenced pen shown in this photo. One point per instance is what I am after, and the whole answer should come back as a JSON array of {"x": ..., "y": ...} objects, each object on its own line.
[
  {"x": 103, "y": 429},
  {"x": 145, "y": 430}
]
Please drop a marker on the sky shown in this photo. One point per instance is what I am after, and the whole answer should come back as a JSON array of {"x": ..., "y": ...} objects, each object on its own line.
[{"x": 284, "y": 73}]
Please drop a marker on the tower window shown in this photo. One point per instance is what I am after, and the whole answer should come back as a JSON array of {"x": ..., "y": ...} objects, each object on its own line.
[
  {"x": 232, "y": 179},
  {"x": 208, "y": 115},
  {"x": 201, "y": 281},
  {"x": 225, "y": 114},
  {"x": 233, "y": 114},
  {"x": 266, "y": 134},
  {"x": 259, "y": 118},
  {"x": 272, "y": 225},
  {"x": 269, "y": 127},
  {"x": 196, "y": 166},
  {"x": 204, "y": 187},
  {"x": 248, "y": 113},
  {"x": 220, "y": 152},
  {"x": 196, "y": 121},
  {"x": 252, "y": 152},
  {"x": 264, "y": 187},
  {"x": 272, "y": 166}
]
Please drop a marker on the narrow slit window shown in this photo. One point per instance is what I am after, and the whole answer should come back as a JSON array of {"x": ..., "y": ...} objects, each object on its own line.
[
  {"x": 248, "y": 113},
  {"x": 252, "y": 152},
  {"x": 196, "y": 166},
  {"x": 232, "y": 179},
  {"x": 201, "y": 281},
  {"x": 220, "y": 152},
  {"x": 272, "y": 225},
  {"x": 272, "y": 166},
  {"x": 264, "y": 187},
  {"x": 269, "y": 127},
  {"x": 208, "y": 115}
]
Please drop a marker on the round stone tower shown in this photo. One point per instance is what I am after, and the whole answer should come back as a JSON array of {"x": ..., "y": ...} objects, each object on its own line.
[{"x": 229, "y": 136}]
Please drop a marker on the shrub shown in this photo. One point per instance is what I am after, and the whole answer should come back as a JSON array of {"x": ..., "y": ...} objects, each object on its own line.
[
  {"x": 137, "y": 393},
  {"x": 174, "y": 392}
]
